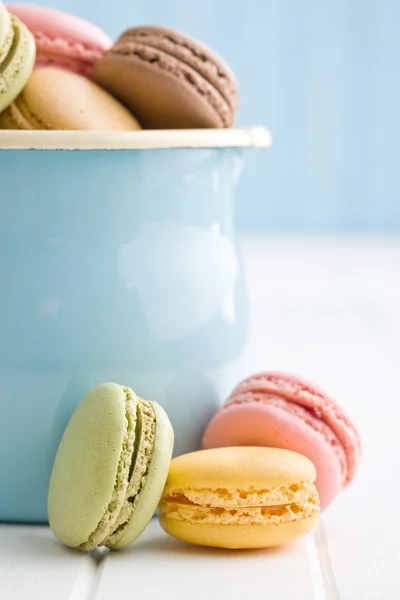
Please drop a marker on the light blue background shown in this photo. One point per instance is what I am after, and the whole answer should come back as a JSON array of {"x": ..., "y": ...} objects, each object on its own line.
[{"x": 324, "y": 75}]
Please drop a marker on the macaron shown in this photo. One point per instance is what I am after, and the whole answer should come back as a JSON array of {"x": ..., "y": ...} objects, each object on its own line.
[
  {"x": 17, "y": 56},
  {"x": 62, "y": 40},
  {"x": 240, "y": 497},
  {"x": 110, "y": 469},
  {"x": 61, "y": 100},
  {"x": 169, "y": 80},
  {"x": 285, "y": 411}
]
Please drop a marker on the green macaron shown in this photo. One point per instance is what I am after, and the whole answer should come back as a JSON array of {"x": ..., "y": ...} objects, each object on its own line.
[
  {"x": 17, "y": 57},
  {"x": 110, "y": 469}
]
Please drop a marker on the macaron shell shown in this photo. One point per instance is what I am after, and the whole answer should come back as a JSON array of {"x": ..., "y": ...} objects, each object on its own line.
[
  {"x": 155, "y": 480},
  {"x": 58, "y": 57},
  {"x": 84, "y": 473},
  {"x": 160, "y": 98},
  {"x": 238, "y": 468},
  {"x": 300, "y": 392},
  {"x": 62, "y": 39},
  {"x": 15, "y": 75},
  {"x": 60, "y": 100},
  {"x": 59, "y": 24},
  {"x": 5, "y": 22},
  {"x": 263, "y": 424},
  {"x": 192, "y": 53},
  {"x": 144, "y": 449},
  {"x": 233, "y": 489},
  {"x": 238, "y": 537}
]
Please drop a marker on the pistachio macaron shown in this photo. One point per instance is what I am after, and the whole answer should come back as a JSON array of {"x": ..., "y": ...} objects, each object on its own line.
[
  {"x": 17, "y": 56},
  {"x": 247, "y": 497},
  {"x": 110, "y": 469}
]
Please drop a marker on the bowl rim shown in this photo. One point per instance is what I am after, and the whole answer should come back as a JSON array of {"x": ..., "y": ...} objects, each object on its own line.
[{"x": 248, "y": 137}]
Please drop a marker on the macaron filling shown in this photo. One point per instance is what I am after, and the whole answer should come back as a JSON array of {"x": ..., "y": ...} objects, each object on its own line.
[
  {"x": 19, "y": 115},
  {"x": 107, "y": 523},
  {"x": 144, "y": 448},
  {"x": 133, "y": 468},
  {"x": 14, "y": 54},
  {"x": 6, "y": 46},
  {"x": 18, "y": 54},
  {"x": 217, "y": 507},
  {"x": 297, "y": 492}
]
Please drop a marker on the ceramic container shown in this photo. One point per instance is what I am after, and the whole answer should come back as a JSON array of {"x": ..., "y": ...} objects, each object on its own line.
[{"x": 118, "y": 262}]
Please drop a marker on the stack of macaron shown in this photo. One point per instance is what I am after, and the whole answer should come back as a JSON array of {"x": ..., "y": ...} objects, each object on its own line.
[
  {"x": 280, "y": 448},
  {"x": 278, "y": 451},
  {"x": 59, "y": 72}
]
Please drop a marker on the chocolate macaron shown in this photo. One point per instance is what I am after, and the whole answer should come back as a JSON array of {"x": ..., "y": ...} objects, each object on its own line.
[{"x": 169, "y": 80}]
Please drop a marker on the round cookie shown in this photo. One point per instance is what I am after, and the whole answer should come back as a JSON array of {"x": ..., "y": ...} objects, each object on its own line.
[
  {"x": 284, "y": 411},
  {"x": 57, "y": 99},
  {"x": 169, "y": 80},
  {"x": 17, "y": 56},
  {"x": 110, "y": 469},
  {"x": 244, "y": 497},
  {"x": 62, "y": 40}
]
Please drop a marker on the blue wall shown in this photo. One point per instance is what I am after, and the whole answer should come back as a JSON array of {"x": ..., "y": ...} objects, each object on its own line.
[{"x": 324, "y": 75}]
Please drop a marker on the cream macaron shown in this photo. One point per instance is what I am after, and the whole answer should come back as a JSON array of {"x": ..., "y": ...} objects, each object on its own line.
[
  {"x": 57, "y": 99},
  {"x": 247, "y": 497}
]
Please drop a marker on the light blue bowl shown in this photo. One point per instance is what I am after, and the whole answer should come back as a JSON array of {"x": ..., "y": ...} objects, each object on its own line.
[{"x": 118, "y": 262}]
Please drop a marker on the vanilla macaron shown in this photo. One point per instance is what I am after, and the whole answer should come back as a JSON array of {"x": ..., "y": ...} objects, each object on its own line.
[
  {"x": 58, "y": 99},
  {"x": 247, "y": 497}
]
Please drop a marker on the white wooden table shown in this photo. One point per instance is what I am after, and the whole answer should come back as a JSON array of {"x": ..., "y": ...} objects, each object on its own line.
[{"x": 327, "y": 309}]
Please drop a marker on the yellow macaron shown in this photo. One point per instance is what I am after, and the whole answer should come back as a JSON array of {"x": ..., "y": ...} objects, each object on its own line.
[
  {"x": 57, "y": 99},
  {"x": 245, "y": 497}
]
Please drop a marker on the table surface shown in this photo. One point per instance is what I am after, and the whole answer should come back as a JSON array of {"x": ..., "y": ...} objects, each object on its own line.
[{"x": 328, "y": 309}]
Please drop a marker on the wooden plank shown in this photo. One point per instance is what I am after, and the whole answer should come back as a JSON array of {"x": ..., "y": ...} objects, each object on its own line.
[
  {"x": 34, "y": 566},
  {"x": 309, "y": 313},
  {"x": 327, "y": 309},
  {"x": 330, "y": 312},
  {"x": 340, "y": 327},
  {"x": 363, "y": 526},
  {"x": 159, "y": 565}
]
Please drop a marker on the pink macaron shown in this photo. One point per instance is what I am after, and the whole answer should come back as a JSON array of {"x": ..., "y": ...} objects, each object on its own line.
[
  {"x": 62, "y": 40},
  {"x": 284, "y": 411}
]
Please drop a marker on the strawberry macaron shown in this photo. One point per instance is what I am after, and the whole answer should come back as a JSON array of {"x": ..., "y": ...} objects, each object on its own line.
[
  {"x": 62, "y": 40},
  {"x": 283, "y": 411}
]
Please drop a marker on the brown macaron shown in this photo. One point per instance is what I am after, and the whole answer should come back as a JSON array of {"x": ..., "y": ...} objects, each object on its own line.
[
  {"x": 57, "y": 99},
  {"x": 169, "y": 80}
]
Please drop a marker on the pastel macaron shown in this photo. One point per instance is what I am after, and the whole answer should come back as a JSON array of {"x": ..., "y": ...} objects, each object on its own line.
[
  {"x": 169, "y": 80},
  {"x": 62, "y": 40},
  {"x": 110, "y": 469},
  {"x": 17, "y": 56},
  {"x": 240, "y": 497},
  {"x": 56, "y": 99},
  {"x": 284, "y": 411}
]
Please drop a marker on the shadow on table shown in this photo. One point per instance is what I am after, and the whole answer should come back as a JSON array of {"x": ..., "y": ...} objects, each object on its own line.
[
  {"x": 165, "y": 545},
  {"x": 38, "y": 541}
]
